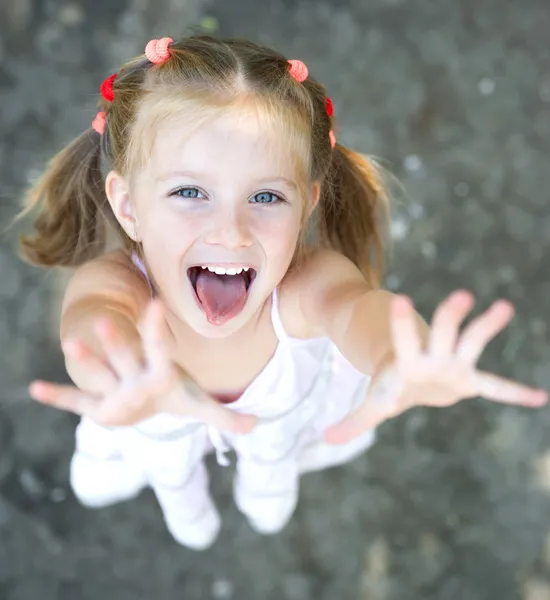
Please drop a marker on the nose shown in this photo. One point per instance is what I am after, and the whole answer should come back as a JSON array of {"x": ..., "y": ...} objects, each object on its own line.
[{"x": 230, "y": 229}]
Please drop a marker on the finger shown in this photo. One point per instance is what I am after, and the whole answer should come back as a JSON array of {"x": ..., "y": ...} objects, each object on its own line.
[
  {"x": 155, "y": 334},
  {"x": 77, "y": 351},
  {"x": 204, "y": 408},
  {"x": 121, "y": 356},
  {"x": 446, "y": 322},
  {"x": 215, "y": 414},
  {"x": 483, "y": 329},
  {"x": 505, "y": 391},
  {"x": 406, "y": 340},
  {"x": 64, "y": 397}
]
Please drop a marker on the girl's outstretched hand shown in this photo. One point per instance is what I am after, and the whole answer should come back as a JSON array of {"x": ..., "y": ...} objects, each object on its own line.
[
  {"x": 136, "y": 389},
  {"x": 443, "y": 373}
]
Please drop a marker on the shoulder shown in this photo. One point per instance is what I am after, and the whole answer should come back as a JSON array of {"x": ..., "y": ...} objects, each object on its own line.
[
  {"x": 323, "y": 278},
  {"x": 324, "y": 272},
  {"x": 112, "y": 277}
]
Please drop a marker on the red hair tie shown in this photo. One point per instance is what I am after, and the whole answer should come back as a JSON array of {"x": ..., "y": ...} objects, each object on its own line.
[
  {"x": 298, "y": 70},
  {"x": 330, "y": 107},
  {"x": 157, "y": 50},
  {"x": 106, "y": 88},
  {"x": 98, "y": 123}
]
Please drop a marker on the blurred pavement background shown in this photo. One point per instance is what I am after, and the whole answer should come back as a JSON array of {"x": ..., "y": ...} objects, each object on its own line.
[{"x": 454, "y": 96}]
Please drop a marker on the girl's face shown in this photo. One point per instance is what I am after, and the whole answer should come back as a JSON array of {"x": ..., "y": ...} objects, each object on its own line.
[{"x": 219, "y": 214}]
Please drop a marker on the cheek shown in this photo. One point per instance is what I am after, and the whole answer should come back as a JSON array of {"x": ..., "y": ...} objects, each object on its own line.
[
  {"x": 279, "y": 235},
  {"x": 165, "y": 239},
  {"x": 167, "y": 230}
]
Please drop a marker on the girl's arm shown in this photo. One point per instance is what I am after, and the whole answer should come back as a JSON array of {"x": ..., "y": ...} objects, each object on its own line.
[
  {"x": 410, "y": 363},
  {"x": 104, "y": 289},
  {"x": 116, "y": 344}
]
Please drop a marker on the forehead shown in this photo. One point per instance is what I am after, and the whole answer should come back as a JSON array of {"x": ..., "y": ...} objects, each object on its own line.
[{"x": 232, "y": 141}]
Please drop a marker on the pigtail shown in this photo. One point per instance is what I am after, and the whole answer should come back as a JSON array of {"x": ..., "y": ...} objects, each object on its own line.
[
  {"x": 352, "y": 210},
  {"x": 71, "y": 225}
]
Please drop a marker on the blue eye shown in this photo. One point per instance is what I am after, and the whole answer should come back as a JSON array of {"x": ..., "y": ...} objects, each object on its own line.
[
  {"x": 187, "y": 192},
  {"x": 266, "y": 198}
]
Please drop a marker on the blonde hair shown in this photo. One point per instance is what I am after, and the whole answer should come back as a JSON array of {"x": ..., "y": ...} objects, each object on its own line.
[{"x": 74, "y": 214}]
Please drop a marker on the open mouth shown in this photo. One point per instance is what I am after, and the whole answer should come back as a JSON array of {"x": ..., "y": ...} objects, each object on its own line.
[{"x": 221, "y": 292}]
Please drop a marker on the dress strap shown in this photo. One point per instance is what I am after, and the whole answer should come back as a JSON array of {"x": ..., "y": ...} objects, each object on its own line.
[
  {"x": 276, "y": 317},
  {"x": 140, "y": 266}
]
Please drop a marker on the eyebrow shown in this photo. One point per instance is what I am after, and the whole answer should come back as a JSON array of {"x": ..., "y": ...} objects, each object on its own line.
[{"x": 198, "y": 176}]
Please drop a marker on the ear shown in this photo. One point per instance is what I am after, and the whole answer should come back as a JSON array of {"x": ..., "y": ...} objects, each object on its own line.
[
  {"x": 118, "y": 194},
  {"x": 315, "y": 195}
]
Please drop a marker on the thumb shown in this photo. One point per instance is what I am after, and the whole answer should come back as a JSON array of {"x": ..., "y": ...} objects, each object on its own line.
[
  {"x": 212, "y": 412},
  {"x": 198, "y": 404}
]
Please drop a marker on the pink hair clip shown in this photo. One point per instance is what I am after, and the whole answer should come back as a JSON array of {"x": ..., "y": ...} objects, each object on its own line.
[
  {"x": 98, "y": 123},
  {"x": 298, "y": 70},
  {"x": 332, "y": 138},
  {"x": 106, "y": 88},
  {"x": 157, "y": 50}
]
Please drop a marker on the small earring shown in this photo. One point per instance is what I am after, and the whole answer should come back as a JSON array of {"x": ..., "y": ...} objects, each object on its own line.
[{"x": 134, "y": 234}]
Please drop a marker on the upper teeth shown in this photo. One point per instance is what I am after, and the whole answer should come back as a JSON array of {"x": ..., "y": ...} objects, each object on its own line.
[{"x": 226, "y": 271}]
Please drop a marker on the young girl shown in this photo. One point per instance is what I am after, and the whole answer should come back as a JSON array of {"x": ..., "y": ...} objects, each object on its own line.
[{"x": 241, "y": 309}]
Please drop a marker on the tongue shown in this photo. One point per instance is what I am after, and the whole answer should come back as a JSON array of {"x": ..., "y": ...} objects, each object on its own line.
[{"x": 222, "y": 296}]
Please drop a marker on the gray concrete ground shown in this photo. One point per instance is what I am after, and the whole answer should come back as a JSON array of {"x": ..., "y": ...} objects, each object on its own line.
[{"x": 454, "y": 504}]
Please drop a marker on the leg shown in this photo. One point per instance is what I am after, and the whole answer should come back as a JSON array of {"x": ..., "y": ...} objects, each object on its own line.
[
  {"x": 177, "y": 473},
  {"x": 189, "y": 512},
  {"x": 267, "y": 492},
  {"x": 100, "y": 475}
]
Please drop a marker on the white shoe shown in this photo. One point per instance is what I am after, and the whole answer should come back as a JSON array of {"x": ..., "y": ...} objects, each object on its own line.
[
  {"x": 198, "y": 533},
  {"x": 102, "y": 482},
  {"x": 267, "y": 514}
]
